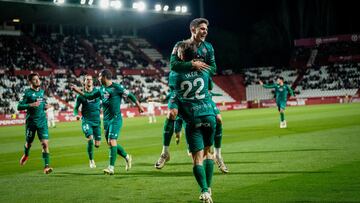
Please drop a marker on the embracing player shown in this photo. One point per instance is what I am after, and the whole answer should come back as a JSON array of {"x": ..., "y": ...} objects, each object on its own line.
[{"x": 204, "y": 59}]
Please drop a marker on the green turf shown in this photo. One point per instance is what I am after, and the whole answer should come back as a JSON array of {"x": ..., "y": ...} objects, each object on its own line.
[{"x": 316, "y": 159}]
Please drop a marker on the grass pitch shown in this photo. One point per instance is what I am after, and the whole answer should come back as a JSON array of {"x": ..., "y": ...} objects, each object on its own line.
[{"x": 316, "y": 159}]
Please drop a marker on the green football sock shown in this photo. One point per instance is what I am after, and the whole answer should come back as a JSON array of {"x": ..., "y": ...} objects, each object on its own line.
[
  {"x": 218, "y": 135},
  {"x": 209, "y": 170},
  {"x": 282, "y": 116},
  {"x": 200, "y": 177},
  {"x": 90, "y": 149},
  {"x": 26, "y": 150},
  {"x": 113, "y": 154},
  {"x": 121, "y": 151},
  {"x": 46, "y": 158},
  {"x": 168, "y": 131}
]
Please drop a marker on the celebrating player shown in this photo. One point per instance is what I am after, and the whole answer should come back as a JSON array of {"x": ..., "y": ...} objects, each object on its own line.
[
  {"x": 281, "y": 92},
  {"x": 204, "y": 60},
  {"x": 90, "y": 124},
  {"x": 34, "y": 103},
  {"x": 111, "y": 95}
]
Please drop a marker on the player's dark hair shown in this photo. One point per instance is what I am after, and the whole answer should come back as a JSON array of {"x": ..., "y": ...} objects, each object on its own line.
[
  {"x": 32, "y": 75},
  {"x": 188, "y": 50},
  {"x": 280, "y": 77},
  {"x": 197, "y": 21},
  {"x": 106, "y": 73}
]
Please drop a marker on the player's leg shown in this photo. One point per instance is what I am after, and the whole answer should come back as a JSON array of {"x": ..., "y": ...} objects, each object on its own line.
[
  {"x": 88, "y": 132},
  {"x": 208, "y": 133},
  {"x": 154, "y": 117},
  {"x": 196, "y": 147},
  {"x": 29, "y": 137},
  {"x": 150, "y": 118},
  {"x": 217, "y": 145},
  {"x": 44, "y": 139},
  {"x": 168, "y": 132},
  {"x": 178, "y": 127},
  {"x": 281, "y": 108},
  {"x": 53, "y": 122}
]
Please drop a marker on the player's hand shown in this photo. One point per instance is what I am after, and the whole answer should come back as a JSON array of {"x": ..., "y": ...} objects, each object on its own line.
[
  {"x": 200, "y": 66},
  {"x": 261, "y": 82},
  {"x": 35, "y": 104},
  {"x": 75, "y": 88},
  {"x": 141, "y": 109},
  {"x": 77, "y": 117}
]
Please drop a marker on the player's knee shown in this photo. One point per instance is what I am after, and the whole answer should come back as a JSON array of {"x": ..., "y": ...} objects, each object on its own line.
[
  {"x": 219, "y": 119},
  {"x": 90, "y": 138},
  {"x": 44, "y": 145},
  {"x": 198, "y": 157},
  {"x": 27, "y": 145},
  {"x": 172, "y": 114},
  {"x": 113, "y": 142}
]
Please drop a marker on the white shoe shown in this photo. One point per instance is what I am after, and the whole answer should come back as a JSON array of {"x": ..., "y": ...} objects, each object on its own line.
[
  {"x": 206, "y": 197},
  {"x": 284, "y": 124},
  {"x": 201, "y": 196},
  {"x": 128, "y": 162},
  {"x": 109, "y": 170},
  {"x": 92, "y": 164},
  {"x": 160, "y": 163},
  {"x": 221, "y": 165}
]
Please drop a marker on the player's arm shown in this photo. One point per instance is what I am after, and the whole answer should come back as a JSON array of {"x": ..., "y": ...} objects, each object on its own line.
[
  {"x": 92, "y": 95},
  {"x": 177, "y": 65},
  {"x": 291, "y": 91},
  {"x": 268, "y": 86},
  {"x": 127, "y": 94},
  {"x": 76, "y": 108},
  {"x": 23, "y": 105},
  {"x": 211, "y": 61}
]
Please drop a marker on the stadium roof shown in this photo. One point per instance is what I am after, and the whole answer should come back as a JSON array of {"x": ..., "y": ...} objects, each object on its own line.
[{"x": 47, "y": 12}]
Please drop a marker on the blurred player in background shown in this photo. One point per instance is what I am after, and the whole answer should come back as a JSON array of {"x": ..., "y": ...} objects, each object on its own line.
[{"x": 51, "y": 116}]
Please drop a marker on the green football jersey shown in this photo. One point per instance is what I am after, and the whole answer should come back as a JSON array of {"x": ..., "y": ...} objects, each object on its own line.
[
  {"x": 90, "y": 109},
  {"x": 34, "y": 115},
  {"x": 111, "y": 98},
  {"x": 281, "y": 91},
  {"x": 205, "y": 53},
  {"x": 192, "y": 90}
]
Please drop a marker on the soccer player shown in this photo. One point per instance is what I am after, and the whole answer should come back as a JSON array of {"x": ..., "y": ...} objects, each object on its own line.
[
  {"x": 51, "y": 116},
  {"x": 193, "y": 102},
  {"x": 198, "y": 29},
  {"x": 281, "y": 92},
  {"x": 151, "y": 111},
  {"x": 90, "y": 124},
  {"x": 111, "y": 95},
  {"x": 34, "y": 103},
  {"x": 204, "y": 60}
]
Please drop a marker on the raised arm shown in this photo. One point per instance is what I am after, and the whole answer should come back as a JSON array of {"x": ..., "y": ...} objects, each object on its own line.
[
  {"x": 125, "y": 93},
  {"x": 93, "y": 95}
]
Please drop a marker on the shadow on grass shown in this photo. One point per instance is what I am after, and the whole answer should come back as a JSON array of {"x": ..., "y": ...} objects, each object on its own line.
[
  {"x": 280, "y": 151},
  {"x": 64, "y": 174},
  {"x": 275, "y": 172}
]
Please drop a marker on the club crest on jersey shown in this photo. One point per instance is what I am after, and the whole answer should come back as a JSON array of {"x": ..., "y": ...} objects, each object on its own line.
[
  {"x": 281, "y": 89},
  {"x": 106, "y": 95}
]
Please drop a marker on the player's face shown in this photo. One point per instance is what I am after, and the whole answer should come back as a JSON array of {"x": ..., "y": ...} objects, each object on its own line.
[
  {"x": 88, "y": 81},
  {"x": 200, "y": 32},
  {"x": 279, "y": 81},
  {"x": 35, "y": 81}
]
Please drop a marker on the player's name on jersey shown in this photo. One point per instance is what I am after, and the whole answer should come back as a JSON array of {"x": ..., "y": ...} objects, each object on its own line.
[{"x": 191, "y": 74}]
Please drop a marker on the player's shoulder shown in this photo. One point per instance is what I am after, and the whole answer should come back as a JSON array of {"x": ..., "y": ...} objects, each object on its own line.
[{"x": 208, "y": 45}]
